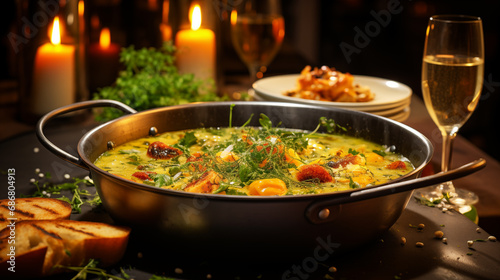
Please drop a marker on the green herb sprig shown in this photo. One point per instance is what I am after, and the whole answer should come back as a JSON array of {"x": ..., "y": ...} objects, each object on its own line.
[
  {"x": 80, "y": 196},
  {"x": 92, "y": 268},
  {"x": 331, "y": 126}
]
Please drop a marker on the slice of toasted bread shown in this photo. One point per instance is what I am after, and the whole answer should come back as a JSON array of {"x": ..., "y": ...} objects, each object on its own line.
[
  {"x": 36, "y": 208},
  {"x": 42, "y": 244}
]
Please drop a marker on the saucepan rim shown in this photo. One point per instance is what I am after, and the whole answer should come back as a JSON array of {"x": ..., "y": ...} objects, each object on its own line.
[{"x": 85, "y": 138}]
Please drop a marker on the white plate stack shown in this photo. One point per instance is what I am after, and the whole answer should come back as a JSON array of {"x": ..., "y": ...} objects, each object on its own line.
[{"x": 392, "y": 99}]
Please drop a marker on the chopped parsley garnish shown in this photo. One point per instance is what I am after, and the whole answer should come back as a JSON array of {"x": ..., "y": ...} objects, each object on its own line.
[
  {"x": 380, "y": 152},
  {"x": 188, "y": 140},
  {"x": 353, "y": 152},
  {"x": 330, "y": 125},
  {"x": 162, "y": 180},
  {"x": 353, "y": 185}
]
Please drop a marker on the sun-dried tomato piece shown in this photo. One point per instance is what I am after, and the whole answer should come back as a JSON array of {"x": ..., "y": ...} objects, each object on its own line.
[
  {"x": 159, "y": 150},
  {"x": 143, "y": 175},
  {"x": 314, "y": 171},
  {"x": 396, "y": 165}
]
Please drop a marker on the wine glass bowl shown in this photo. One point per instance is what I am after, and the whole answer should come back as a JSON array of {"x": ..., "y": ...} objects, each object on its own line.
[
  {"x": 452, "y": 79},
  {"x": 257, "y": 32}
]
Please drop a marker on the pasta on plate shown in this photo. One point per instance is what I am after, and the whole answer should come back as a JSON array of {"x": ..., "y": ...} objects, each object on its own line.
[{"x": 328, "y": 84}]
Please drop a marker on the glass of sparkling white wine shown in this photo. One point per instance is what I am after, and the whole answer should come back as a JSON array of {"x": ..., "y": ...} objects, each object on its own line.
[
  {"x": 257, "y": 31},
  {"x": 452, "y": 79}
]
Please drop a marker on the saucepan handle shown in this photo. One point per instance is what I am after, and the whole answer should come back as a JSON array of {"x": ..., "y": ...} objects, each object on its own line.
[
  {"x": 320, "y": 211},
  {"x": 71, "y": 108}
]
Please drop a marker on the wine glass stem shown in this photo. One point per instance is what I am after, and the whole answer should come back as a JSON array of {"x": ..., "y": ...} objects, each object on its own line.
[
  {"x": 447, "y": 149},
  {"x": 253, "y": 69}
]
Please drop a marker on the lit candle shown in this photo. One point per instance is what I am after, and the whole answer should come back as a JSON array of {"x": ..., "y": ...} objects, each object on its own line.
[
  {"x": 165, "y": 29},
  {"x": 166, "y": 32},
  {"x": 53, "y": 74},
  {"x": 196, "y": 49},
  {"x": 103, "y": 61}
]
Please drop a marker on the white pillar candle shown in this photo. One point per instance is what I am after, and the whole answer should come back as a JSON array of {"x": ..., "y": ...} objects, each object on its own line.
[
  {"x": 53, "y": 74},
  {"x": 196, "y": 49}
]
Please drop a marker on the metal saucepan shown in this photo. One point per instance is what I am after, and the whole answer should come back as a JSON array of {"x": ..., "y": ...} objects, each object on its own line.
[{"x": 230, "y": 224}]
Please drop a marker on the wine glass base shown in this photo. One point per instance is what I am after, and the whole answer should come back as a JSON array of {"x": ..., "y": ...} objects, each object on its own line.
[
  {"x": 446, "y": 196},
  {"x": 463, "y": 197},
  {"x": 432, "y": 194}
]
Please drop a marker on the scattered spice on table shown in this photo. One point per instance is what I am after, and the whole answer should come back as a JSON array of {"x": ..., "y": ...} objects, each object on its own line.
[{"x": 438, "y": 234}]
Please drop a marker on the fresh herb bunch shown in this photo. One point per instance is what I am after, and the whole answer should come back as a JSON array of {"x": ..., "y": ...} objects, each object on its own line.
[{"x": 150, "y": 79}]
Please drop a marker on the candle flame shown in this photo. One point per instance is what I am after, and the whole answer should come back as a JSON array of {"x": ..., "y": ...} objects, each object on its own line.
[
  {"x": 105, "y": 38},
  {"x": 196, "y": 17},
  {"x": 234, "y": 16},
  {"x": 152, "y": 5},
  {"x": 55, "y": 38},
  {"x": 166, "y": 9},
  {"x": 81, "y": 7}
]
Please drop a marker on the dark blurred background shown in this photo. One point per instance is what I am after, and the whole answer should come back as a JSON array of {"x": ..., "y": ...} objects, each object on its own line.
[{"x": 315, "y": 31}]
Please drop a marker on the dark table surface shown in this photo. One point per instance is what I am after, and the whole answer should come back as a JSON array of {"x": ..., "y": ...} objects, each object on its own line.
[
  {"x": 485, "y": 183},
  {"x": 384, "y": 258}
]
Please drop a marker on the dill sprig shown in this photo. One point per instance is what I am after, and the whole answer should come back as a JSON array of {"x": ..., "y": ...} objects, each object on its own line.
[{"x": 261, "y": 155}]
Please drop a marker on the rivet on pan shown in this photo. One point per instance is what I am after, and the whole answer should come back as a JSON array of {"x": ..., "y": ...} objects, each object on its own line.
[
  {"x": 153, "y": 131},
  {"x": 111, "y": 145},
  {"x": 323, "y": 214}
]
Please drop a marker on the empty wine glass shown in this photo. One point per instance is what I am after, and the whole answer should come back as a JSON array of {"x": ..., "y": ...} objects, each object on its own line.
[
  {"x": 452, "y": 79},
  {"x": 257, "y": 31}
]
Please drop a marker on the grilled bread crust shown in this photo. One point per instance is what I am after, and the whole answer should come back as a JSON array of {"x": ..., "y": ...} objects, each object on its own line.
[
  {"x": 37, "y": 208},
  {"x": 40, "y": 245}
]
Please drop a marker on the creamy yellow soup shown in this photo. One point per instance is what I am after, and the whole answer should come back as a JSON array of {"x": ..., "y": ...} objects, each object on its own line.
[{"x": 254, "y": 161}]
